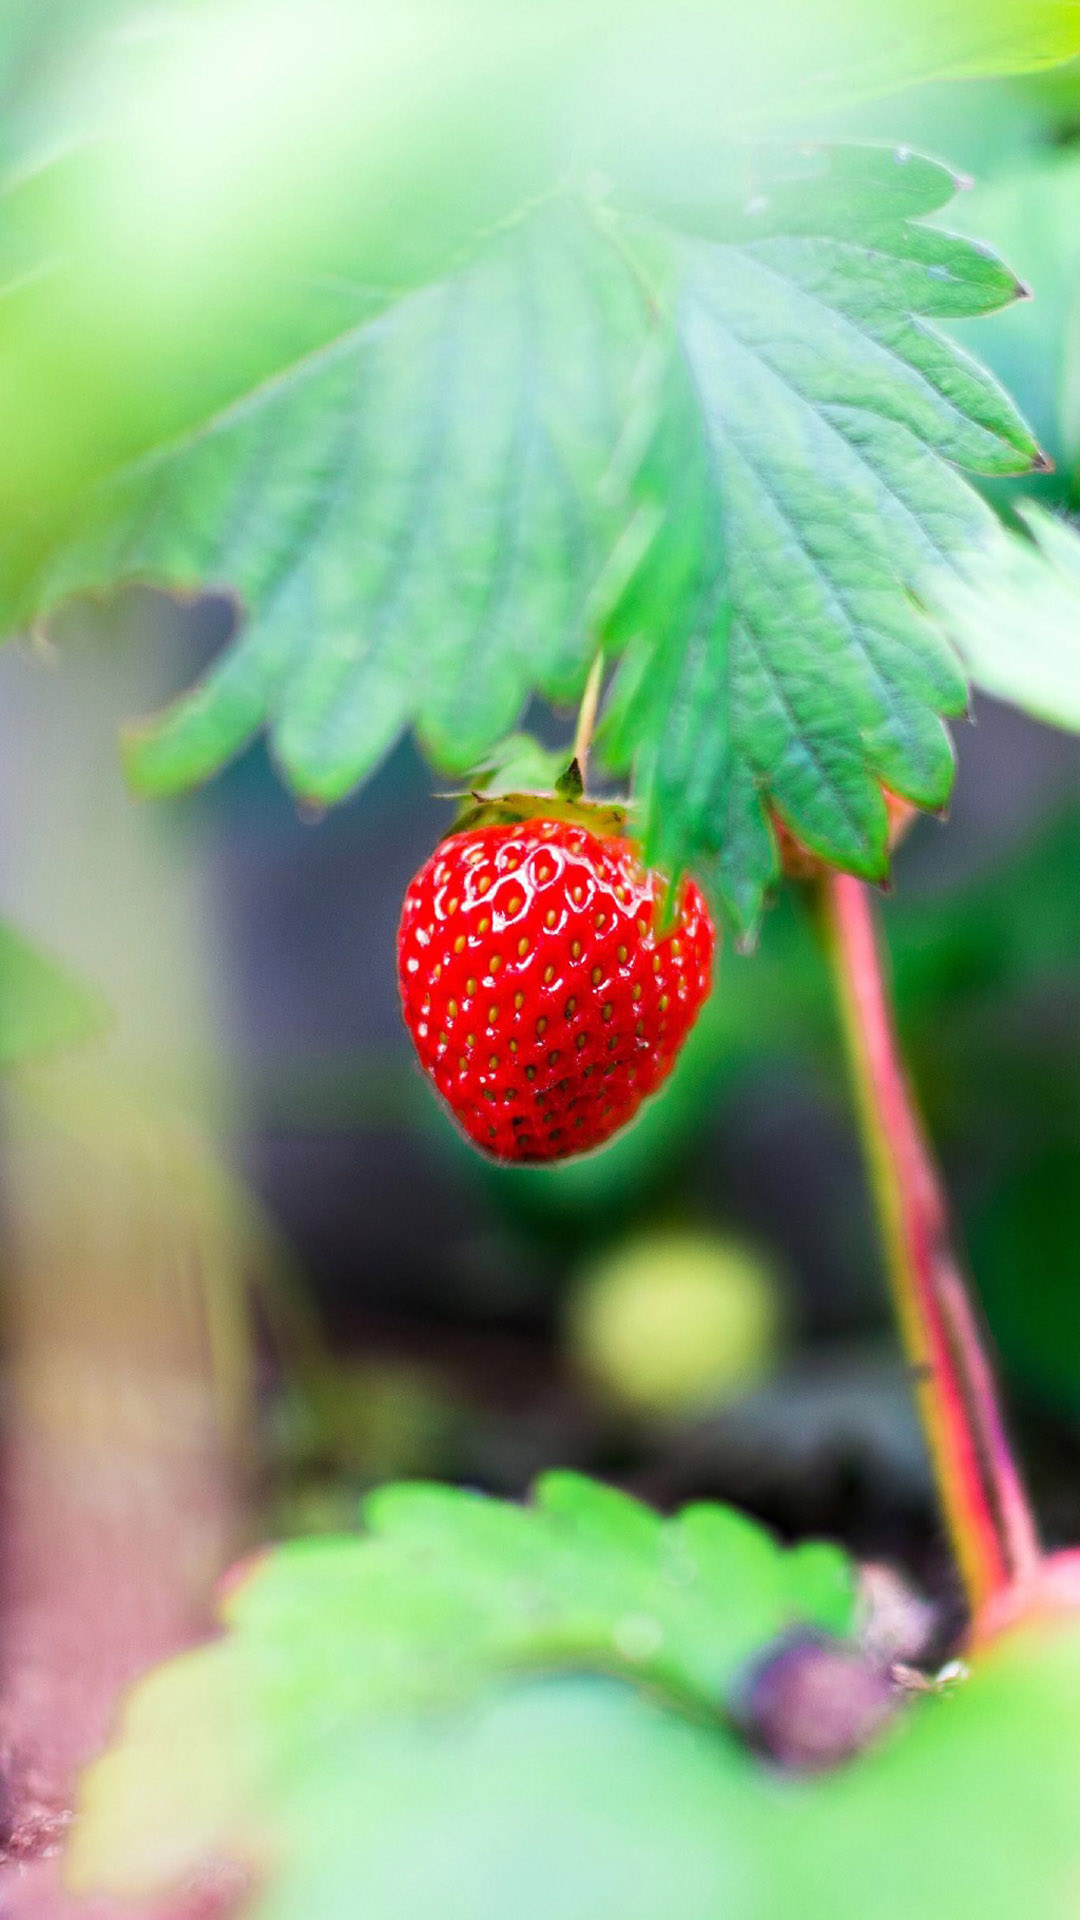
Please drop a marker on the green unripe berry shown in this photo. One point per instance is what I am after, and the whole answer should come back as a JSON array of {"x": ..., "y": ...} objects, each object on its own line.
[{"x": 674, "y": 1321}]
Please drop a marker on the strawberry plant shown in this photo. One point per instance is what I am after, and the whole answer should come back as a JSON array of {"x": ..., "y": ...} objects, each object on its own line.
[{"x": 490, "y": 357}]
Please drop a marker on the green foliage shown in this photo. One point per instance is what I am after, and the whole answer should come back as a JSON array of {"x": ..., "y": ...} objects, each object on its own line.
[
  {"x": 42, "y": 1009},
  {"x": 801, "y": 468},
  {"x": 583, "y": 1800},
  {"x": 261, "y": 337},
  {"x": 1015, "y": 617},
  {"x": 569, "y": 1796},
  {"x": 428, "y": 519},
  {"x": 414, "y": 519},
  {"x": 1030, "y": 212},
  {"x": 182, "y": 219},
  {"x": 385, "y": 1730},
  {"x": 445, "y": 1594},
  {"x": 41, "y": 47},
  {"x": 968, "y": 1813}
]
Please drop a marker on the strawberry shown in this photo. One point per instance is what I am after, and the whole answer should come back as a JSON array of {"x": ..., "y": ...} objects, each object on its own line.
[{"x": 545, "y": 992}]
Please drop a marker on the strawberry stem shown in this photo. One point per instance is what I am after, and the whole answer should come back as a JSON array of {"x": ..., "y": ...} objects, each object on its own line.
[
  {"x": 981, "y": 1492},
  {"x": 586, "y": 720}
]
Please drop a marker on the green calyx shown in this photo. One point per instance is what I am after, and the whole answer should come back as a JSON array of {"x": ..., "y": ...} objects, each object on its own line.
[{"x": 485, "y": 805}]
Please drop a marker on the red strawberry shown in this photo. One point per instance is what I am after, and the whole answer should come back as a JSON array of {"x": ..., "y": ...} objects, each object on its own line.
[{"x": 543, "y": 998}]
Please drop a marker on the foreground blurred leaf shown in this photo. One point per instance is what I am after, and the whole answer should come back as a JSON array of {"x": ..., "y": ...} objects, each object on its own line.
[
  {"x": 569, "y": 1797},
  {"x": 42, "y": 1008},
  {"x": 805, "y": 469},
  {"x": 968, "y": 1812},
  {"x": 302, "y": 1745},
  {"x": 447, "y": 1592},
  {"x": 1015, "y": 618},
  {"x": 578, "y": 1799},
  {"x": 760, "y": 65}
]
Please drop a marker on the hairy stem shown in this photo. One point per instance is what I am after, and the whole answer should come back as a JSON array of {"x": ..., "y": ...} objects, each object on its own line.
[
  {"x": 982, "y": 1496},
  {"x": 586, "y": 720}
]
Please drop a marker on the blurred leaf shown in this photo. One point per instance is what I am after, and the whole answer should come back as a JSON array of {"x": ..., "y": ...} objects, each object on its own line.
[
  {"x": 42, "y": 1009},
  {"x": 572, "y": 1797},
  {"x": 31, "y": 36},
  {"x": 578, "y": 1796},
  {"x": 968, "y": 1812},
  {"x": 760, "y": 65},
  {"x": 229, "y": 187},
  {"x": 1015, "y": 618},
  {"x": 414, "y": 518},
  {"x": 966, "y": 38},
  {"x": 1054, "y": 95},
  {"x": 447, "y": 1592},
  {"x": 805, "y": 468}
]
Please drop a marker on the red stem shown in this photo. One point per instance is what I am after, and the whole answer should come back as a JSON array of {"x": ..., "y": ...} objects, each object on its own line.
[{"x": 982, "y": 1495}]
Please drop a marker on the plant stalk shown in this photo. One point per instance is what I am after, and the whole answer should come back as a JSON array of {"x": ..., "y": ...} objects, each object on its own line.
[
  {"x": 982, "y": 1496},
  {"x": 586, "y": 720}
]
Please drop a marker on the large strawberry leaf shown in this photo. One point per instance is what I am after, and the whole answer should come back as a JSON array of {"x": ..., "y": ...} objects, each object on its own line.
[
  {"x": 187, "y": 190},
  {"x": 414, "y": 518},
  {"x": 426, "y": 519},
  {"x": 445, "y": 1595},
  {"x": 805, "y": 469}
]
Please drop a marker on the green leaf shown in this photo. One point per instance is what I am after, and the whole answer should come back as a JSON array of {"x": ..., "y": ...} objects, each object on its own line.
[
  {"x": 42, "y": 1008},
  {"x": 446, "y": 1594},
  {"x": 805, "y": 468},
  {"x": 968, "y": 1812},
  {"x": 576, "y": 1799},
  {"x": 519, "y": 764},
  {"x": 883, "y": 48},
  {"x": 415, "y": 520},
  {"x": 572, "y": 1794},
  {"x": 565, "y": 1797},
  {"x": 426, "y": 519},
  {"x": 1015, "y": 618},
  {"x": 197, "y": 193},
  {"x": 1032, "y": 214}
]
